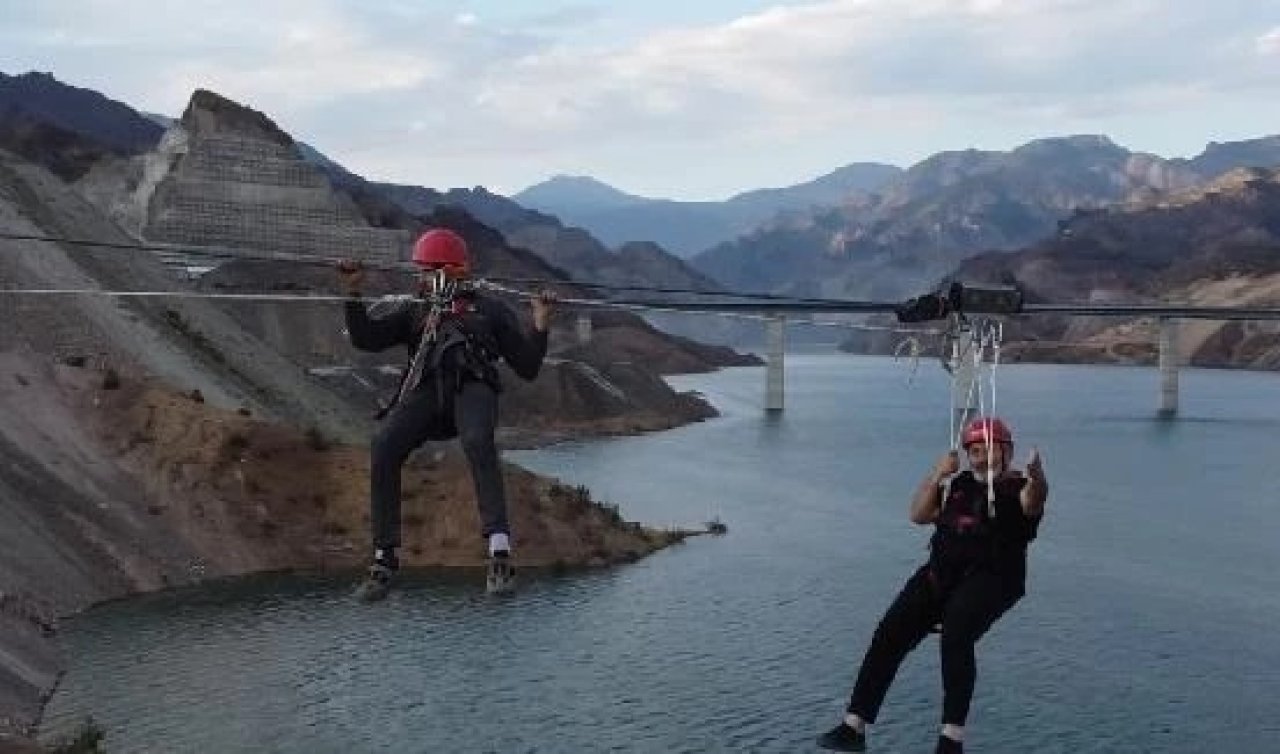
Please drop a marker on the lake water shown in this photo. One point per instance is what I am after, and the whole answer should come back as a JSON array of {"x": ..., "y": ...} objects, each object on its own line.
[{"x": 1150, "y": 623}]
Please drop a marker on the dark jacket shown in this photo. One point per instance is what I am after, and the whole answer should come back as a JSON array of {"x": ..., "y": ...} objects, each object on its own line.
[{"x": 485, "y": 330}]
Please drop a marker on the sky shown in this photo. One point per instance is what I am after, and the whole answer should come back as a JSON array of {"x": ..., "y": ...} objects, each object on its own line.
[{"x": 688, "y": 99}]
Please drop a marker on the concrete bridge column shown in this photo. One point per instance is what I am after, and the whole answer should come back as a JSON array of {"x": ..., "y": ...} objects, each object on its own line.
[
  {"x": 1168, "y": 363},
  {"x": 775, "y": 340},
  {"x": 584, "y": 328}
]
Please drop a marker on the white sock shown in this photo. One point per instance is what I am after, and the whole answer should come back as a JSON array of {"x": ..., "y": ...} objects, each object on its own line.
[
  {"x": 499, "y": 543},
  {"x": 855, "y": 722},
  {"x": 953, "y": 732}
]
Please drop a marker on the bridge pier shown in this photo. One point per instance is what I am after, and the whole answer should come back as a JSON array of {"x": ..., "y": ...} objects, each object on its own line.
[
  {"x": 1168, "y": 364},
  {"x": 583, "y": 328},
  {"x": 775, "y": 344}
]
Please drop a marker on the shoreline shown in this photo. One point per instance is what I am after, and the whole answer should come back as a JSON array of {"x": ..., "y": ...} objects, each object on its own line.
[{"x": 45, "y": 625}]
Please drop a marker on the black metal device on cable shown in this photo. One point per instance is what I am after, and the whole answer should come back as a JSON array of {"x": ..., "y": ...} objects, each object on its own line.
[{"x": 958, "y": 298}]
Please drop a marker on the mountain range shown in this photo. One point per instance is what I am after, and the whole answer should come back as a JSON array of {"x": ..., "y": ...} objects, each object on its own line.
[
  {"x": 616, "y": 217},
  {"x": 953, "y": 205}
]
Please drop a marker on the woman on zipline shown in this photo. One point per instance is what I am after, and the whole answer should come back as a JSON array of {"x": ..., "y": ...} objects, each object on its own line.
[{"x": 983, "y": 519}]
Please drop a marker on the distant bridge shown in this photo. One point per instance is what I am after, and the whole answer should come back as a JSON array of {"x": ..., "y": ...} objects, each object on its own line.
[{"x": 997, "y": 302}]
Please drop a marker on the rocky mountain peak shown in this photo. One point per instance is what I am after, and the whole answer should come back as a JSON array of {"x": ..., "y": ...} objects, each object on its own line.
[{"x": 210, "y": 113}]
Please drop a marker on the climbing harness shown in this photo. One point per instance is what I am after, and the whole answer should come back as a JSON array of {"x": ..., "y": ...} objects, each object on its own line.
[{"x": 439, "y": 296}]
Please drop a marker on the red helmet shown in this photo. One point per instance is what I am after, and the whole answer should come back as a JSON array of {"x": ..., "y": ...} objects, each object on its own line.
[
  {"x": 439, "y": 247},
  {"x": 987, "y": 429}
]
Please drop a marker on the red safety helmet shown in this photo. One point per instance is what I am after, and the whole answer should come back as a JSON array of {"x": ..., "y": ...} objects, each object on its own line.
[
  {"x": 987, "y": 429},
  {"x": 442, "y": 248}
]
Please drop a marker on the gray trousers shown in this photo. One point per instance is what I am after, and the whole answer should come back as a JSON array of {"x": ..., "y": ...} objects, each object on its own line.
[{"x": 471, "y": 415}]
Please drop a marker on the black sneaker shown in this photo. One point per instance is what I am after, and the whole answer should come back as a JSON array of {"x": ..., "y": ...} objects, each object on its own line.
[
  {"x": 843, "y": 737},
  {"x": 948, "y": 746},
  {"x": 501, "y": 575},
  {"x": 376, "y": 585}
]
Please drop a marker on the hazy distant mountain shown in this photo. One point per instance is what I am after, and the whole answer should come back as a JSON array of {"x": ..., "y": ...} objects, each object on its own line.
[{"x": 616, "y": 217}]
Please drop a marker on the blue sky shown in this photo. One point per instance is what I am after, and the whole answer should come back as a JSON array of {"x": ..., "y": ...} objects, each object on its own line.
[{"x": 692, "y": 100}]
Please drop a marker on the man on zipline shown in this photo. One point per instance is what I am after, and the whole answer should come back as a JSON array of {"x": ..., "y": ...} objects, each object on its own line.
[
  {"x": 983, "y": 519},
  {"x": 450, "y": 389}
]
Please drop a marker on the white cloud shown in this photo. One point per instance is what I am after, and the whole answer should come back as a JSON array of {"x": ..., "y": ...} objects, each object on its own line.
[
  {"x": 398, "y": 88},
  {"x": 790, "y": 71},
  {"x": 282, "y": 55},
  {"x": 1269, "y": 44}
]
